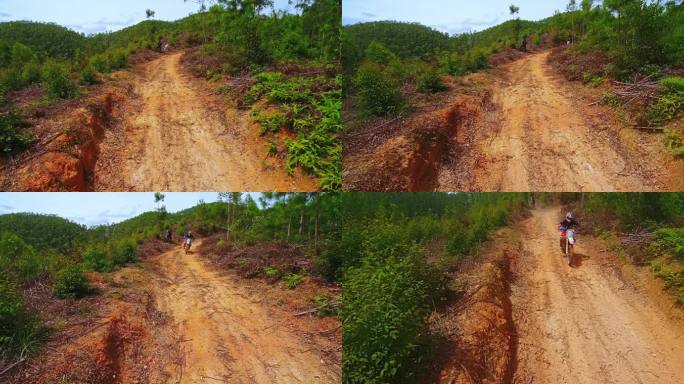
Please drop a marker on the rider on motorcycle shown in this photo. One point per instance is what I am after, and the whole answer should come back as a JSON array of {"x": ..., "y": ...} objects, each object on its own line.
[
  {"x": 187, "y": 239},
  {"x": 568, "y": 223}
]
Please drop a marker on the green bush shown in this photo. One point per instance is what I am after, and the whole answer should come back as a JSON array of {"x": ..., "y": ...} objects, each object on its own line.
[
  {"x": 384, "y": 314},
  {"x": 293, "y": 280},
  {"x": 13, "y": 136},
  {"x": 431, "y": 82},
  {"x": 670, "y": 240},
  {"x": 32, "y": 73},
  {"x": 95, "y": 258},
  {"x": 674, "y": 84},
  {"x": 88, "y": 75},
  {"x": 123, "y": 252},
  {"x": 18, "y": 330},
  {"x": 385, "y": 305},
  {"x": 271, "y": 272},
  {"x": 11, "y": 80},
  {"x": 57, "y": 83},
  {"x": 99, "y": 63},
  {"x": 379, "y": 93},
  {"x": 71, "y": 282},
  {"x": 674, "y": 142}
]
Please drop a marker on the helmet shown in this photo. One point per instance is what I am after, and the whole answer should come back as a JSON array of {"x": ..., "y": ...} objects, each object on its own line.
[{"x": 569, "y": 216}]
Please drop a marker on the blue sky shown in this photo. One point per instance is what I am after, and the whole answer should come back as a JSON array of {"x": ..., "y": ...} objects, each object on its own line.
[
  {"x": 451, "y": 16},
  {"x": 92, "y": 16},
  {"x": 98, "y": 207}
]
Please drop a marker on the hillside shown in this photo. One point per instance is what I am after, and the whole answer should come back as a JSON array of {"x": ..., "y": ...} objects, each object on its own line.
[{"x": 43, "y": 231}]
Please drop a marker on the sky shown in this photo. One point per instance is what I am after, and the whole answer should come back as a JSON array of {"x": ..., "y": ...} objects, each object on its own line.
[
  {"x": 451, "y": 16},
  {"x": 92, "y": 16},
  {"x": 95, "y": 208}
]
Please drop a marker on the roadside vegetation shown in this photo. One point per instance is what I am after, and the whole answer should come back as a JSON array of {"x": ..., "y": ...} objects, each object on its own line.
[
  {"x": 394, "y": 254},
  {"x": 391, "y": 67},
  {"x": 283, "y": 238}
]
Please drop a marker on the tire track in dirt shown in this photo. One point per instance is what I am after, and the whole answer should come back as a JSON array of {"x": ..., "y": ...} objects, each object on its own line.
[
  {"x": 227, "y": 334},
  {"x": 583, "y": 324},
  {"x": 180, "y": 137},
  {"x": 540, "y": 138}
]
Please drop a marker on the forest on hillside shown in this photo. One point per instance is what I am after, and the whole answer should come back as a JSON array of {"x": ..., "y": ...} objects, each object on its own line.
[
  {"x": 280, "y": 65},
  {"x": 39, "y": 250},
  {"x": 388, "y": 65}
]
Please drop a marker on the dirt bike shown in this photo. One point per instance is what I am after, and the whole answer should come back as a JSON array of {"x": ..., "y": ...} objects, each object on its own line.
[
  {"x": 568, "y": 247},
  {"x": 186, "y": 245}
]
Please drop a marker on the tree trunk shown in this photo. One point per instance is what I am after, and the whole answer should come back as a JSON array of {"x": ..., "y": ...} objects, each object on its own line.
[
  {"x": 230, "y": 221},
  {"x": 318, "y": 213},
  {"x": 301, "y": 223},
  {"x": 289, "y": 225}
]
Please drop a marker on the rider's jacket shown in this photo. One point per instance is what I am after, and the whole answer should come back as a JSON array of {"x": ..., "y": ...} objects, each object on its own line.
[{"x": 569, "y": 223}]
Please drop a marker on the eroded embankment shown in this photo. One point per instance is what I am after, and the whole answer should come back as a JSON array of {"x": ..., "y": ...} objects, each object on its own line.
[
  {"x": 479, "y": 335},
  {"x": 407, "y": 157},
  {"x": 65, "y": 156}
]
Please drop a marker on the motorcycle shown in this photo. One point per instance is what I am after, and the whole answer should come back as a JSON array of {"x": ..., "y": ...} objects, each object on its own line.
[
  {"x": 186, "y": 245},
  {"x": 568, "y": 243}
]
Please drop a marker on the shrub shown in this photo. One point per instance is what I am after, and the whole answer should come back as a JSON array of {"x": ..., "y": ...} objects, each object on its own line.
[
  {"x": 384, "y": 316},
  {"x": 99, "y": 63},
  {"x": 431, "y": 82},
  {"x": 670, "y": 240},
  {"x": 123, "y": 253},
  {"x": 13, "y": 137},
  {"x": 272, "y": 272},
  {"x": 379, "y": 93},
  {"x": 293, "y": 280},
  {"x": 673, "y": 84},
  {"x": 71, "y": 282},
  {"x": 674, "y": 142},
  {"x": 88, "y": 75},
  {"x": 18, "y": 330},
  {"x": 31, "y": 73},
  {"x": 95, "y": 258},
  {"x": 56, "y": 81},
  {"x": 11, "y": 80}
]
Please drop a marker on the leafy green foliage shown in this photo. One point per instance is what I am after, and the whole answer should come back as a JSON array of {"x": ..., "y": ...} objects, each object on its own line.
[
  {"x": 13, "y": 137},
  {"x": 670, "y": 240},
  {"x": 378, "y": 91},
  {"x": 293, "y": 280},
  {"x": 88, "y": 75},
  {"x": 674, "y": 142},
  {"x": 70, "y": 282},
  {"x": 670, "y": 103},
  {"x": 57, "y": 83},
  {"x": 311, "y": 108},
  {"x": 18, "y": 330},
  {"x": 272, "y": 272},
  {"x": 431, "y": 82}
]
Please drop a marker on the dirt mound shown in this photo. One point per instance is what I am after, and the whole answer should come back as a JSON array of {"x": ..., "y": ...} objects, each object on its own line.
[
  {"x": 479, "y": 336},
  {"x": 410, "y": 160}
]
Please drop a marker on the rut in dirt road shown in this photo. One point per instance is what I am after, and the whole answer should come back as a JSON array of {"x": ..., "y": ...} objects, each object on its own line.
[
  {"x": 181, "y": 137},
  {"x": 583, "y": 324},
  {"x": 540, "y": 137},
  {"x": 227, "y": 334}
]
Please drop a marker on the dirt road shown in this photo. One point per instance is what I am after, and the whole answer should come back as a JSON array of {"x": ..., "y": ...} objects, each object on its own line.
[
  {"x": 538, "y": 136},
  {"x": 227, "y": 334},
  {"x": 584, "y": 324},
  {"x": 179, "y": 136}
]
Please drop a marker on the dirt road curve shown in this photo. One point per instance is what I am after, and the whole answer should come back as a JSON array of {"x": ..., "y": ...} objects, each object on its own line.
[
  {"x": 582, "y": 324},
  {"x": 542, "y": 138},
  {"x": 227, "y": 334},
  {"x": 180, "y": 138}
]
